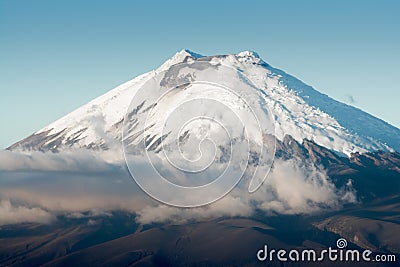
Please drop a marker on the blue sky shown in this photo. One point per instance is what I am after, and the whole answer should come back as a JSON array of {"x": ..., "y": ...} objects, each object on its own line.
[{"x": 57, "y": 55}]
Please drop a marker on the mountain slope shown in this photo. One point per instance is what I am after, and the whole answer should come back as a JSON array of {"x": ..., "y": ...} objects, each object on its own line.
[{"x": 298, "y": 110}]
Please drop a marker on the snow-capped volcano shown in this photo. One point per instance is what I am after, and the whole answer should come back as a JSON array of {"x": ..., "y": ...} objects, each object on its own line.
[
  {"x": 296, "y": 108},
  {"x": 192, "y": 131}
]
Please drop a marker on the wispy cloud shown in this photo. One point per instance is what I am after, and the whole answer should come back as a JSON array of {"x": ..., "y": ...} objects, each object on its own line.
[
  {"x": 69, "y": 160},
  {"x": 351, "y": 99},
  {"x": 11, "y": 214}
]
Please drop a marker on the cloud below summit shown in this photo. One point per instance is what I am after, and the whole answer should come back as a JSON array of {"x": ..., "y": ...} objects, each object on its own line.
[
  {"x": 11, "y": 214},
  {"x": 37, "y": 187}
]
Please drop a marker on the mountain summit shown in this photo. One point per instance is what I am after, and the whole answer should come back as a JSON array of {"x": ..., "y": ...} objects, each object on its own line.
[{"x": 297, "y": 109}]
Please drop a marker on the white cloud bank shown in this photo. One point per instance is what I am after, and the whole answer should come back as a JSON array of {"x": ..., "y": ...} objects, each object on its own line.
[
  {"x": 74, "y": 182},
  {"x": 289, "y": 189}
]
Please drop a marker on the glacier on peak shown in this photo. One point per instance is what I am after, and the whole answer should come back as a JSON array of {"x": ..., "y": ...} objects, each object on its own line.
[{"x": 298, "y": 110}]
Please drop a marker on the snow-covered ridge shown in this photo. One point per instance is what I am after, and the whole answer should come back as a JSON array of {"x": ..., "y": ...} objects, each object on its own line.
[
  {"x": 249, "y": 57},
  {"x": 298, "y": 110}
]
